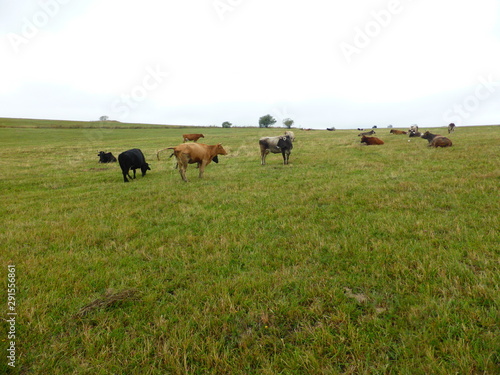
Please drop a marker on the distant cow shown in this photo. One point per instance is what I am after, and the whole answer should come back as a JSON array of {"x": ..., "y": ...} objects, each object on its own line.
[
  {"x": 192, "y": 137},
  {"x": 370, "y": 141},
  {"x": 371, "y": 132},
  {"x": 414, "y": 133},
  {"x": 276, "y": 145},
  {"x": 132, "y": 160},
  {"x": 330, "y": 129},
  {"x": 198, "y": 153},
  {"x": 437, "y": 140},
  {"x": 451, "y": 128},
  {"x": 106, "y": 157},
  {"x": 413, "y": 128},
  {"x": 394, "y": 131}
]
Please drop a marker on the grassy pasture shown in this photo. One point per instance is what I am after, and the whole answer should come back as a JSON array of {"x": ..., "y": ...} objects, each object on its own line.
[{"x": 350, "y": 260}]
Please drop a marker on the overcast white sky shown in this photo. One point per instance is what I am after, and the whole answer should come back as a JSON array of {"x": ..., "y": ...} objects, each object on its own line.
[{"x": 347, "y": 63}]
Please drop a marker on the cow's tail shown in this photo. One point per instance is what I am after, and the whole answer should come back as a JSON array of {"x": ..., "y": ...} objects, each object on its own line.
[{"x": 158, "y": 153}]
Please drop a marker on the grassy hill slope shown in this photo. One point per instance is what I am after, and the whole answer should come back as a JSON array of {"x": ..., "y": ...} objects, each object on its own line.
[{"x": 350, "y": 260}]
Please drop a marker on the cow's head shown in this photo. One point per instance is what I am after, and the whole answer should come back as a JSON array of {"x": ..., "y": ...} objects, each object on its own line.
[
  {"x": 285, "y": 143},
  {"x": 426, "y": 135},
  {"x": 220, "y": 150},
  {"x": 144, "y": 168}
]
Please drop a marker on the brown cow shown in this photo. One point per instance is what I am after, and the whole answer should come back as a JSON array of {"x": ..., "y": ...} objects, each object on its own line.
[
  {"x": 394, "y": 131},
  {"x": 371, "y": 140},
  {"x": 191, "y": 137},
  {"x": 441, "y": 142},
  {"x": 429, "y": 136},
  {"x": 436, "y": 140},
  {"x": 196, "y": 153}
]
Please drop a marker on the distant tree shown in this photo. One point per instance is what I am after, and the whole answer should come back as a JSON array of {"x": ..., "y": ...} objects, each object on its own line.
[
  {"x": 266, "y": 121},
  {"x": 103, "y": 118},
  {"x": 226, "y": 124},
  {"x": 374, "y": 127},
  {"x": 288, "y": 122},
  {"x": 389, "y": 126}
]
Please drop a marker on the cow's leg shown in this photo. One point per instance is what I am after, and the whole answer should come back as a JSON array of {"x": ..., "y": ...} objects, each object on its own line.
[
  {"x": 263, "y": 157},
  {"x": 125, "y": 176},
  {"x": 128, "y": 174},
  {"x": 202, "y": 168},
  {"x": 285, "y": 157},
  {"x": 182, "y": 163},
  {"x": 182, "y": 171},
  {"x": 134, "y": 173}
]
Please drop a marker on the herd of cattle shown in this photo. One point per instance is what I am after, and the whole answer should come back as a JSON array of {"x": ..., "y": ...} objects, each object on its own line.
[
  {"x": 435, "y": 140},
  {"x": 202, "y": 154}
]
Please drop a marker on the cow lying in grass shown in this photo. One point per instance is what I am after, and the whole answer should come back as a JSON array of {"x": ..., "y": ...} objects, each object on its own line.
[
  {"x": 436, "y": 140},
  {"x": 371, "y": 132},
  {"x": 394, "y": 131},
  {"x": 370, "y": 141},
  {"x": 196, "y": 153},
  {"x": 106, "y": 157},
  {"x": 414, "y": 133}
]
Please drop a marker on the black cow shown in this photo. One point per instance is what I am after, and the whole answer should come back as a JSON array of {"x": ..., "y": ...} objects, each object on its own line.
[
  {"x": 106, "y": 157},
  {"x": 132, "y": 159},
  {"x": 371, "y": 132},
  {"x": 414, "y": 133}
]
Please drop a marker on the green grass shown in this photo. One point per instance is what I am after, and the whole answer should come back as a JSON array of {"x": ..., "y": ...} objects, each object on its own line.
[{"x": 351, "y": 260}]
